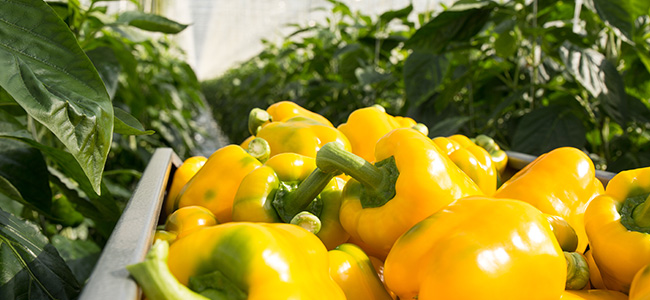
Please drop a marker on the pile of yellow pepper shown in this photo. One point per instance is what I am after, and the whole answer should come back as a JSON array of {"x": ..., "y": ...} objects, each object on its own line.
[{"x": 375, "y": 209}]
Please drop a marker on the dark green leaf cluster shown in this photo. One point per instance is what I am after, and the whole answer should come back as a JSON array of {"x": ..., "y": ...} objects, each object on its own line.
[{"x": 85, "y": 98}]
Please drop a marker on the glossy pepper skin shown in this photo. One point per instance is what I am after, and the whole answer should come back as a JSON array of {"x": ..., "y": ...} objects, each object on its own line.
[
  {"x": 365, "y": 126},
  {"x": 640, "y": 288},
  {"x": 353, "y": 271},
  {"x": 561, "y": 182},
  {"x": 187, "y": 219},
  {"x": 478, "y": 248},
  {"x": 259, "y": 260},
  {"x": 215, "y": 184},
  {"x": 618, "y": 226},
  {"x": 282, "y": 188},
  {"x": 411, "y": 180},
  {"x": 182, "y": 175},
  {"x": 472, "y": 159}
]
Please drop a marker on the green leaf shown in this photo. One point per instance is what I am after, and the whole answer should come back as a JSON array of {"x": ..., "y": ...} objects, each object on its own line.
[
  {"x": 448, "y": 126},
  {"x": 80, "y": 255},
  {"x": 126, "y": 124},
  {"x": 24, "y": 176},
  {"x": 618, "y": 14},
  {"x": 547, "y": 128},
  {"x": 47, "y": 73},
  {"x": 423, "y": 74},
  {"x": 390, "y": 15},
  {"x": 104, "y": 59},
  {"x": 599, "y": 77},
  {"x": 31, "y": 268},
  {"x": 460, "y": 22},
  {"x": 150, "y": 22}
]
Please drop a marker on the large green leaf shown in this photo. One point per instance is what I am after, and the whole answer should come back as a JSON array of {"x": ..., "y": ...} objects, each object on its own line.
[
  {"x": 80, "y": 255},
  {"x": 30, "y": 268},
  {"x": 47, "y": 73},
  {"x": 459, "y": 23},
  {"x": 24, "y": 176},
  {"x": 390, "y": 15},
  {"x": 423, "y": 74},
  {"x": 150, "y": 22},
  {"x": 126, "y": 124},
  {"x": 547, "y": 128},
  {"x": 108, "y": 66},
  {"x": 599, "y": 77}
]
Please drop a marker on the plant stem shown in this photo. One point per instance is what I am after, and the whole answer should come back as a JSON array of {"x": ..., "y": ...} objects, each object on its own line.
[
  {"x": 332, "y": 158},
  {"x": 299, "y": 199}
]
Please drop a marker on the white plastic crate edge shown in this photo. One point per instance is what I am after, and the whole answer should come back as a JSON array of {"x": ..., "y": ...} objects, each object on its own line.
[{"x": 133, "y": 233}]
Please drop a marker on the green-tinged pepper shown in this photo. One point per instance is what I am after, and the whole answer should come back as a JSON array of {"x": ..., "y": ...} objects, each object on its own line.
[
  {"x": 286, "y": 185},
  {"x": 215, "y": 184},
  {"x": 618, "y": 226},
  {"x": 187, "y": 219},
  {"x": 353, "y": 271},
  {"x": 561, "y": 182},
  {"x": 254, "y": 261},
  {"x": 472, "y": 159},
  {"x": 640, "y": 288},
  {"x": 411, "y": 179}
]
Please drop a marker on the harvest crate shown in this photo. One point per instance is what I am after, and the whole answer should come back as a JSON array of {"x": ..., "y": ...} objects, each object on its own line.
[{"x": 134, "y": 232}]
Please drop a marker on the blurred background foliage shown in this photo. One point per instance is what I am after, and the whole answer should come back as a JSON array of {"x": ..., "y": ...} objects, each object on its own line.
[{"x": 535, "y": 75}]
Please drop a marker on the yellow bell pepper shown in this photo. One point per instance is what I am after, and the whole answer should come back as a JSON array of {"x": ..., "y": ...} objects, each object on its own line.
[
  {"x": 257, "y": 260},
  {"x": 640, "y": 288},
  {"x": 499, "y": 157},
  {"x": 299, "y": 135},
  {"x": 239, "y": 260},
  {"x": 561, "y": 182},
  {"x": 182, "y": 175},
  {"x": 353, "y": 271},
  {"x": 595, "y": 294},
  {"x": 564, "y": 233},
  {"x": 286, "y": 185},
  {"x": 478, "y": 248},
  {"x": 187, "y": 219},
  {"x": 281, "y": 112},
  {"x": 618, "y": 226},
  {"x": 595, "y": 279},
  {"x": 472, "y": 159},
  {"x": 411, "y": 179},
  {"x": 215, "y": 184},
  {"x": 365, "y": 126}
]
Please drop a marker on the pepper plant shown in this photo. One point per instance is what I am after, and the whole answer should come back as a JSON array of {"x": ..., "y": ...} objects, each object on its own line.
[{"x": 78, "y": 87}]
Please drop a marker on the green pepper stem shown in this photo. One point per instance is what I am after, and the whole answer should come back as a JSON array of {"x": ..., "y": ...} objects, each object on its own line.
[
  {"x": 260, "y": 149},
  {"x": 333, "y": 158},
  {"x": 577, "y": 271},
  {"x": 299, "y": 199},
  {"x": 641, "y": 213},
  {"x": 155, "y": 278},
  {"x": 256, "y": 118},
  {"x": 307, "y": 221}
]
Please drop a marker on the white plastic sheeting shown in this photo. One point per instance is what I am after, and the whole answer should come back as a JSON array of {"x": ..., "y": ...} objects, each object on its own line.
[{"x": 224, "y": 33}]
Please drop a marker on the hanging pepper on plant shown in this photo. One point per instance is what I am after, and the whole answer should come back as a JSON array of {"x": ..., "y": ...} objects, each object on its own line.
[
  {"x": 478, "y": 248},
  {"x": 618, "y": 225},
  {"x": 410, "y": 180},
  {"x": 215, "y": 184},
  {"x": 239, "y": 260},
  {"x": 561, "y": 182},
  {"x": 289, "y": 188},
  {"x": 475, "y": 161},
  {"x": 365, "y": 126}
]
